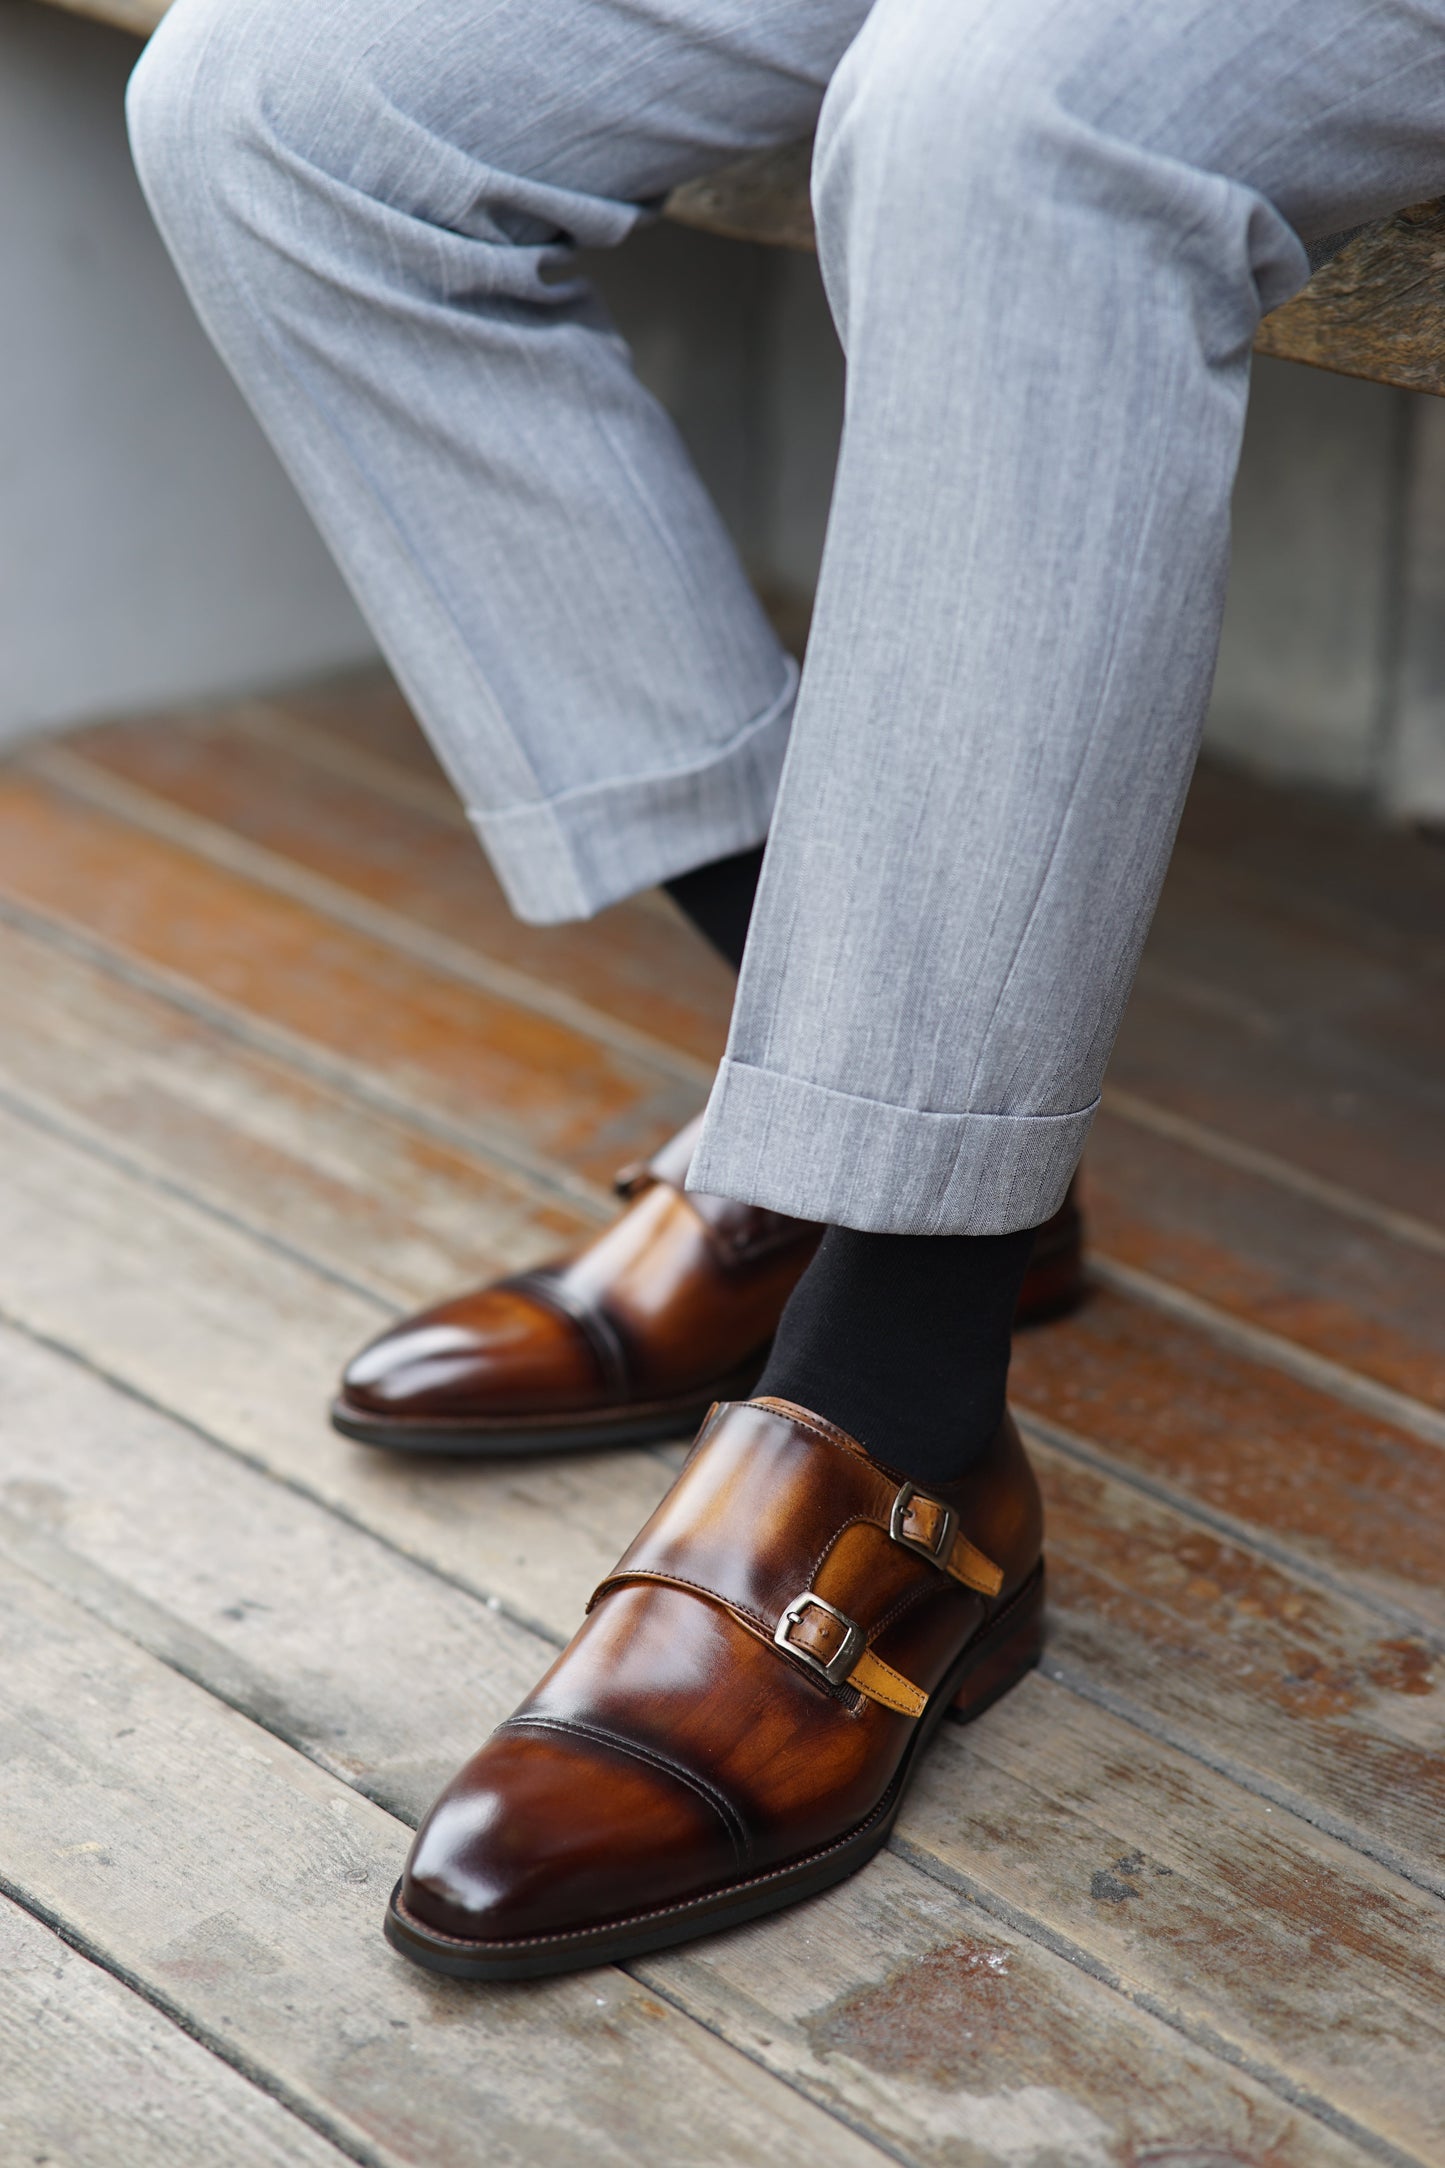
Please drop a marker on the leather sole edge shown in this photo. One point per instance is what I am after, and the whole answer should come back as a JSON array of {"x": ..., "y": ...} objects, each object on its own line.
[{"x": 511, "y": 1441}]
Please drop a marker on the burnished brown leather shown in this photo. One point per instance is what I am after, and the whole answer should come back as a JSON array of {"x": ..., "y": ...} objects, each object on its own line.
[
  {"x": 630, "y": 1338},
  {"x": 677, "y": 1768}
]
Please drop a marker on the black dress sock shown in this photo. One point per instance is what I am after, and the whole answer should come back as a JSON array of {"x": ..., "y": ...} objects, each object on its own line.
[
  {"x": 718, "y": 898},
  {"x": 903, "y": 1341}
]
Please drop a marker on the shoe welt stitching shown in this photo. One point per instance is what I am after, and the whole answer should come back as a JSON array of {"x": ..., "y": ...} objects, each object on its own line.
[
  {"x": 687, "y": 1904},
  {"x": 683, "y": 1904}
]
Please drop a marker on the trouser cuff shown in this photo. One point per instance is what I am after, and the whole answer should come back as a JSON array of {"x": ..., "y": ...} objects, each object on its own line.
[
  {"x": 571, "y": 855},
  {"x": 824, "y": 1155}
]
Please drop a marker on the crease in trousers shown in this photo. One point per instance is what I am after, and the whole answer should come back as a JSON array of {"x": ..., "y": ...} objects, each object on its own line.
[{"x": 1048, "y": 229}]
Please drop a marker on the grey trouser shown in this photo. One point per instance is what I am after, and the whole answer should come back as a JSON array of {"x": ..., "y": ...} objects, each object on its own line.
[{"x": 1048, "y": 229}]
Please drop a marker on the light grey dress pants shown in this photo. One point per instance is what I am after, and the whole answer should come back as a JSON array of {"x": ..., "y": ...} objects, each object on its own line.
[{"x": 1048, "y": 230}]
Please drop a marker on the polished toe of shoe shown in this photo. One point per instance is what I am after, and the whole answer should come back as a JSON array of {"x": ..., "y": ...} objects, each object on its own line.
[
  {"x": 506, "y": 1855},
  {"x": 502, "y": 1347},
  {"x": 733, "y": 1726},
  {"x": 631, "y": 1339}
]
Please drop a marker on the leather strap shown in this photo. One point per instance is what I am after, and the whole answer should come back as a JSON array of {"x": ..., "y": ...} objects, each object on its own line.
[
  {"x": 738, "y": 1233},
  {"x": 825, "y": 1640},
  {"x": 927, "y": 1525},
  {"x": 766, "y": 1465},
  {"x": 668, "y": 1164},
  {"x": 877, "y": 1681},
  {"x": 819, "y": 1636},
  {"x": 912, "y": 1517}
]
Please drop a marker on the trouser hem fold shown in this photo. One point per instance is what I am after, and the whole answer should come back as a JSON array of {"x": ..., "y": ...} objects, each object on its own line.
[
  {"x": 797, "y": 1147},
  {"x": 571, "y": 855}
]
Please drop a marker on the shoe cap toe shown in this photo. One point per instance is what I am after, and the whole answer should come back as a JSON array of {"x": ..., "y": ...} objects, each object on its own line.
[{"x": 547, "y": 1831}]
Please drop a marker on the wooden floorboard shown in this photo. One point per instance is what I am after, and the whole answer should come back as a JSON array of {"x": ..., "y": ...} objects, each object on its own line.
[
  {"x": 220, "y": 774},
  {"x": 134, "y": 1274},
  {"x": 1277, "y": 1457},
  {"x": 1359, "y": 1499},
  {"x": 1303, "y": 1694},
  {"x": 1310, "y": 1097},
  {"x": 1200, "y": 1639},
  {"x": 92, "y": 2076},
  {"x": 644, "y": 968},
  {"x": 1380, "y": 883},
  {"x": 357, "y": 1190},
  {"x": 1330, "y": 1282},
  {"x": 1301, "y": 1688},
  {"x": 541, "y": 1086},
  {"x": 249, "y": 1902},
  {"x": 241, "y": 1887},
  {"x": 211, "y": 1567},
  {"x": 276, "y": 1060}
]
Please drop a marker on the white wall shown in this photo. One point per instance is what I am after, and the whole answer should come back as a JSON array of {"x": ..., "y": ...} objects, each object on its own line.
[
  {"x": 1414, "y": 754},
  {"x": 1306, "y": 682},
  {"x": 151, "y": 550}
]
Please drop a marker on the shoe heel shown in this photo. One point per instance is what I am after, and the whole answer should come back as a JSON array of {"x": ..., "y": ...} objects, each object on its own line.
[
  {"x": 1012, "y": 1647},
  {"x": 1054, "y": 1283}
]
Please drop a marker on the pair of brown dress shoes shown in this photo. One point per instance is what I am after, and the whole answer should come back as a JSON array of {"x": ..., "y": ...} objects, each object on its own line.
[{"x": 733, "y": 1725}]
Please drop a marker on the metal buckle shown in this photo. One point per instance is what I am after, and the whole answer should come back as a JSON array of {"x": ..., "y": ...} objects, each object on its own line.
[
  {"x": 837, "y": 1668},
  {"x": 938, "y": 1552}
]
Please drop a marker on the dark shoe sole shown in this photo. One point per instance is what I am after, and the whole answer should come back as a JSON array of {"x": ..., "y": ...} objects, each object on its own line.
[
  {"x": 1001, "y": 1654},
  {"x": 510, "y": 1436},
  {"x": 1054, "y": 1287}
]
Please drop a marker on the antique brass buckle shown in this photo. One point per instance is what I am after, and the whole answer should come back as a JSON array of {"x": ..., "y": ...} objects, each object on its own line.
[
  {"x": 835, "y": 1668},
  {"x": 940, "y": 1549}
]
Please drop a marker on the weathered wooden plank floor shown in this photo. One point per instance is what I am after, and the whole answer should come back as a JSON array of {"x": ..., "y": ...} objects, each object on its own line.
[{"x": 275, "y": 1062}]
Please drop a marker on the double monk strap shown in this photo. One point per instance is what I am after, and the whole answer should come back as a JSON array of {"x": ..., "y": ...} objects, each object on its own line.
[
  {"x": 733, "y": 1725},
  {"x": 853, "y": 1492}
]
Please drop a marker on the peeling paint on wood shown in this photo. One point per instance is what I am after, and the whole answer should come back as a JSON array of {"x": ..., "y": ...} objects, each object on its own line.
[
  {"x": 552, "y": 1089},
  {"x": 1361, "y": 1498},
  {"x": 646, "y": 969}
]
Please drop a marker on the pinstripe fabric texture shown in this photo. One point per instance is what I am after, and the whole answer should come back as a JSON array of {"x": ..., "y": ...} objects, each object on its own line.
[{"x": 1048, "y": 229}]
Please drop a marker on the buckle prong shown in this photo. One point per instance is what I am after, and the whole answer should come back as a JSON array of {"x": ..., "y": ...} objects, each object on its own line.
[
  {"x": 836, "y": 1668},
  {"x": 938, "y": 1552}
]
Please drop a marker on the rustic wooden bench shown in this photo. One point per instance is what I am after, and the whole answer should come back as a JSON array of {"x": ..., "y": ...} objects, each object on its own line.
[{"x": 1376, "y": 311}]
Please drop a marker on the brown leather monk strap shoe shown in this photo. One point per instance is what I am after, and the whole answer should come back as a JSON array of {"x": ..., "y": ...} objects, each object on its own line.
[
  {"x": 631, "y": 1339},
  {"x": 733, "y": 1725}
]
